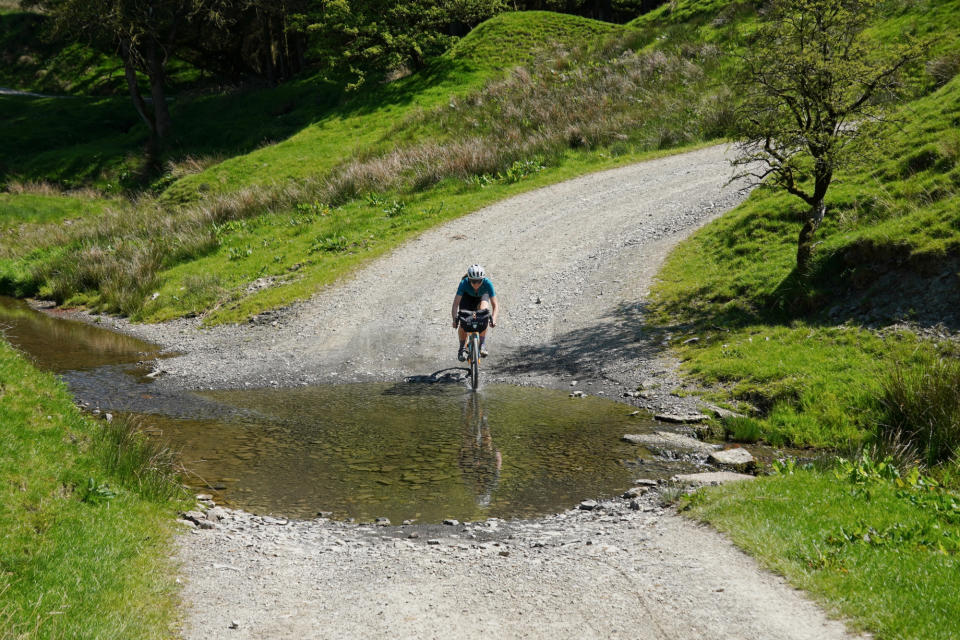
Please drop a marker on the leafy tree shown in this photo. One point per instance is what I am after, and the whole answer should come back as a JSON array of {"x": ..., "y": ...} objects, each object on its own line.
[
  {"x": 238, "y": 38},
  {"x": 809, "y": 79},
  {"x": 376, "y": 36}
]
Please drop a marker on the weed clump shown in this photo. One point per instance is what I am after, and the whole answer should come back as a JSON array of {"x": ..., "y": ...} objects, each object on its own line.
[
  {"x": 920, "y": 404},
  {"x": 136, "y": 460},
  {"x": 742, "y": 429}
]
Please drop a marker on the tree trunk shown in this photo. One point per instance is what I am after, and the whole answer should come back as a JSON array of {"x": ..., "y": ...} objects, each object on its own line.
[
  {"x": 805, "y": 241},
  {"x": 152, "y": 150},
  {"x": 161, "y": 113}
]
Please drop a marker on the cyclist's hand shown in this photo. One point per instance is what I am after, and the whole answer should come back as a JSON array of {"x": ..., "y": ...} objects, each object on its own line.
[
  {"x": 454, "y": 324},
  {"x": 493, "y": 322}
]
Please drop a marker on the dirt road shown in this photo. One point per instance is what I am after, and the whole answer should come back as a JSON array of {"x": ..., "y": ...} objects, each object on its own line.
[{"x": 572, "y": 264}]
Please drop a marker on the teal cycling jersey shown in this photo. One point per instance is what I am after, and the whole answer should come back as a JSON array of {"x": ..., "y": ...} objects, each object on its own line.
[{"x": 466, "y": 289}]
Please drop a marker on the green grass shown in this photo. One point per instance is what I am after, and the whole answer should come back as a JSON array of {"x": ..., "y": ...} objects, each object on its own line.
[
  {"x": 32, "y": 63},
  {"x": 810, "y": 527},
  {"x": 515, "y": 38},
  {"x": 809, "y": 384},
  {"x": 334, "y": 132},
  {"x": 893, "y": 219},
  {"x": 42, "y": 208},
  {"x": 85, "y": 541}
]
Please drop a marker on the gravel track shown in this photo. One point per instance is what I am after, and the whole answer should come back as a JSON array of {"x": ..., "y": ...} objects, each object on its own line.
[
  {"x": 614, "y": 572},
  {"x": 572, "y": 264}
]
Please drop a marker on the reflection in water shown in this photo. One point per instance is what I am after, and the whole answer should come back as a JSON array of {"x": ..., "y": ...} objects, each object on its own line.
[
  {"x": 480, "y": 461},
  {"x": 410, "y": 451},
  {"x": 57, "y": 344}
]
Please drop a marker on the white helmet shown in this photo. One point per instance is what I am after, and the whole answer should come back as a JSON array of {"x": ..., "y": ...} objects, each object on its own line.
[{"x": 475, "y": 272}]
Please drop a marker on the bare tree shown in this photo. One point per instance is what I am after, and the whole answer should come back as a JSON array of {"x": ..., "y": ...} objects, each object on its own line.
[{"x": 809, "y": 77}]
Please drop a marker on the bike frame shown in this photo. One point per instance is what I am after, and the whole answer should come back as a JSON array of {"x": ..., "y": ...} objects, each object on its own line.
[{"x": 473, "y": 355}]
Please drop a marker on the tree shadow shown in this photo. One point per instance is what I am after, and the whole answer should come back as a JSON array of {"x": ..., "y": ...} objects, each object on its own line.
[{"x": 591, "y": 350}]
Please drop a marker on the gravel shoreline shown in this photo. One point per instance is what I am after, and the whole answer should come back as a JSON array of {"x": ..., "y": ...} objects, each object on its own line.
[{"x": 623, "y": 569}]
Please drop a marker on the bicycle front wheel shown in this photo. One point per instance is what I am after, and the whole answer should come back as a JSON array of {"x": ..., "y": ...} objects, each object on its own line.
[{"x": 475, "y": 363}]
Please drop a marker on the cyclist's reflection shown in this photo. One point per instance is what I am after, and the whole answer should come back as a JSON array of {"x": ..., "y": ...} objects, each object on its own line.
[{"x": 480, "y": 460}]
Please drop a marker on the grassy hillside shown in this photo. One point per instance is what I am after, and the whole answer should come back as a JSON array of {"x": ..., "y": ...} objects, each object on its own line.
[
  {"x": 888, "y": 252},
  {"x": 370, "y": 171},
  {"x": 857, "y": 359}
]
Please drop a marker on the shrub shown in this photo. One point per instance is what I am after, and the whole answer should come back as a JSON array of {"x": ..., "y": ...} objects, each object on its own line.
[
  {"x": 944, "y": 68},
  {"x": 920, "y": 404}
]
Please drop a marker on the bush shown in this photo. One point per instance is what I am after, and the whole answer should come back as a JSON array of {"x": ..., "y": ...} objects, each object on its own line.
[
  {"x": 920, "y": 404},
  {"x": 943, "y": 68}
]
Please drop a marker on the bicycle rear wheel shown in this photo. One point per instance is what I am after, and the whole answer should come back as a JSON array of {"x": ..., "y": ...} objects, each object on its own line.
[{"x": 475, "y": 362}]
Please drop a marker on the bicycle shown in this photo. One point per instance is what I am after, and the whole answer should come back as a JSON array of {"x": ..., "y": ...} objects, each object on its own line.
[{"x": 474, "y": 323}]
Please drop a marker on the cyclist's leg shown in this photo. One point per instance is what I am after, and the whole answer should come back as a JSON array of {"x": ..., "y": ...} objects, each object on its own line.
[
  {"x": 467, "y": 303},
  {"x": 485, "y": 305},
  {"x": 462, "y": 350}
]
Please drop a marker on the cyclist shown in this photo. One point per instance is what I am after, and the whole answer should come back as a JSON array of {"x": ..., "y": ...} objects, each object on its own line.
[{"x": 474, "y": 293}]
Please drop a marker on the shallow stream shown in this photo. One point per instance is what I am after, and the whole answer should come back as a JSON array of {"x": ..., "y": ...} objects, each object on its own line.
[{"x": 425, "y": 449}]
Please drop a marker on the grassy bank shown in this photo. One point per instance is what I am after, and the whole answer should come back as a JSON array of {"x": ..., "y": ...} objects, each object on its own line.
[
  {"x": 801, "y": 351},
  {"x": 881, "y": 553},
  {"x": 86, "y": 517}
]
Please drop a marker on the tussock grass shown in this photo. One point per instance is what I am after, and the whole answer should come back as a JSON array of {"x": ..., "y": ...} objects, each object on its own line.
[
  {"x": 920, "y": 405},
  {"x": 43, "y": 188},
  {"x": 147, "y": 465}
]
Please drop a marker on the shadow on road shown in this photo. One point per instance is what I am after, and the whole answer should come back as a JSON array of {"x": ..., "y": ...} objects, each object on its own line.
[{"x": 620, "y": 335}]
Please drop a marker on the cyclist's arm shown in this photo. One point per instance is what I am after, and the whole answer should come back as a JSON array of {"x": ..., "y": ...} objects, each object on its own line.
[
  {"x": 456, "y": 307},
  {"x": 493, "y": 311}
]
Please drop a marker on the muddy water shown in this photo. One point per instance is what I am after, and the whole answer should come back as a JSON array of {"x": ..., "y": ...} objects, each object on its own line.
[
  {"x": 409, "y": 450},
  {"x": 57, "y": 344}
]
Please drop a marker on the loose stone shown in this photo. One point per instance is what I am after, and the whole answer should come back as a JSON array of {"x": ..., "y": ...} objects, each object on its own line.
[
  {"x": 681, "y": 417},
  {"x": 738, "y": 459},
  {"x": 710, "y": 479},
  {"x": 635, "y": 492}
]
